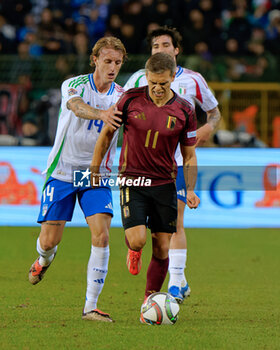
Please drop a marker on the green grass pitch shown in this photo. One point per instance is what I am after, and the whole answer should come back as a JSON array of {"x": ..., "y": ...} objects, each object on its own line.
[{"x": 235, "y": 302}]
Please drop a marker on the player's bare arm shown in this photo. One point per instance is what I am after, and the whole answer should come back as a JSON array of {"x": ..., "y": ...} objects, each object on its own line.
[
  {"x": 84, "y": 111},
  {"x": 203, "y": 133},
  {"x": 190, "y": 174},
  {"x": 214, "y": 117},
  {"x": 100, "y": 149}
]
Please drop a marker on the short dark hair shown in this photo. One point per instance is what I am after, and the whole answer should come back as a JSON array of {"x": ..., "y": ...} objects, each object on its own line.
[
  {"x": 161, "y": 62},
  {"x": 172, "y": 32}
]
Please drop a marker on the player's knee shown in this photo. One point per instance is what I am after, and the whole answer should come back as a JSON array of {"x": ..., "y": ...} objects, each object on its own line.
[
  {"x": 137, "y": 243},
  {"x": 100, "y": 239},
  {"x": 161, "y": 249},
  {"x": 48, "y": 243},
  {"x": 180, "y": 230}
]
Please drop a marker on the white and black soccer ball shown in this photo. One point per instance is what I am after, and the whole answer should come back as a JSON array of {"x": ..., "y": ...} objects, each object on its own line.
[{"x": 160, "y": 308}]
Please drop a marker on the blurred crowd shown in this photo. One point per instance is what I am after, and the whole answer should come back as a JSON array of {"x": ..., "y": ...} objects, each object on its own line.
[
  {"x": 208, "y": 27},
  {"x": 245, "y": 34},
  {"x": 231, "y": 29}
]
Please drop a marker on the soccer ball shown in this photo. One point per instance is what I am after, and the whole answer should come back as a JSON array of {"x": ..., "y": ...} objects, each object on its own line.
[{"x": 159, "y": 308}]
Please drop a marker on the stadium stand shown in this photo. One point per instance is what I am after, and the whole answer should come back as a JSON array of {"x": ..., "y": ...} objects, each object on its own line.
[{"x": 43, "y": 42}]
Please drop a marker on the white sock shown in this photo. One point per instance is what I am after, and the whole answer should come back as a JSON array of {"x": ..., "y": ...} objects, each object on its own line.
[
  {"x": 177, "y": 264},
  {"x": 96, "y": 274},
  {"x": 46, "y": 256}
]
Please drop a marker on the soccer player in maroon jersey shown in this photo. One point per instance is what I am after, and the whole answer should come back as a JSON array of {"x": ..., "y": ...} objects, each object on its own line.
[
  {"x": 155, "y": 120},
  {"x": 192, "y": 87}
]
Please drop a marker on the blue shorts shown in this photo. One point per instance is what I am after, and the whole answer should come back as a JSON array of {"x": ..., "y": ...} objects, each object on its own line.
[
  {"x": 59, "y": 199},
  {"x": 181, "y": 185}
]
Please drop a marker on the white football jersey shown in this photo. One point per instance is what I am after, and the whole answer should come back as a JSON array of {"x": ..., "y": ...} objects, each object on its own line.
[
  {"x": 76, "y": 137},
  {"x": 187, "y": 84}
]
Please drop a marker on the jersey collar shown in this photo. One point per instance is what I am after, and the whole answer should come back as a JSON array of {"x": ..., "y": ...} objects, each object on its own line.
[
  {"x": 179, "y": 71},
  {"x": 93, "y": 86}
]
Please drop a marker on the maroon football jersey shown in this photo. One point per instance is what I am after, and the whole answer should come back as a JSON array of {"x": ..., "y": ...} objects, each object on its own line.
[{"x": 152, "y": 133}]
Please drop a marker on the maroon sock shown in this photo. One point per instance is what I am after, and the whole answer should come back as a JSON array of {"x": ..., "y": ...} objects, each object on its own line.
[{"x": 156, "y": 274}]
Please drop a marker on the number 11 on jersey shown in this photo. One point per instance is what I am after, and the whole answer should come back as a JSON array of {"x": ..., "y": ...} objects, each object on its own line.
[{"x": 154, "y": 142}]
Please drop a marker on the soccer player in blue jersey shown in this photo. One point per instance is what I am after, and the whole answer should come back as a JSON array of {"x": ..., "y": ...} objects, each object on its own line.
[{"x": 87, "y": 103}]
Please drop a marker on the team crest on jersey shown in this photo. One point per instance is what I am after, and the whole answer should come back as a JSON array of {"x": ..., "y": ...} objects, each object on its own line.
[
  {"x": 171, "y": 121},
  {"x": 182, "y": 89},
  {"x": 72, "y": 92}
]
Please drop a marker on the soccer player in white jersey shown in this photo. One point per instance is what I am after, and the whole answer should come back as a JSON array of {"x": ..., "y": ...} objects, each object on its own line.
[
  {"x": 87, "y": 103},
  {"x": 191, "y": 86}
]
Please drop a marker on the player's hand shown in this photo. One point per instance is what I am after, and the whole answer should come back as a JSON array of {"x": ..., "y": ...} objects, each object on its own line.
[
  {"x": 203, "y": 134},
  {"x": 192, "y": 200},
  {"x": 111, "y": 117}
]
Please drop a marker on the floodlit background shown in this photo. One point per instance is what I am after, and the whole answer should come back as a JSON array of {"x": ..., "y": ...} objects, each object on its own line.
[
  {"x": 233, "y": 237},
  {"x": 235, "y": 45}
]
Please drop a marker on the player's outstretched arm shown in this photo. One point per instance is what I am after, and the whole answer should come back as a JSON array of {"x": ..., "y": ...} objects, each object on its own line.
[
  {"x": 203, "y": 133},
  {"x": 84, "y": 111},
  {"x": 100, "y": 149},
  {"x": 190, "y": 174}
]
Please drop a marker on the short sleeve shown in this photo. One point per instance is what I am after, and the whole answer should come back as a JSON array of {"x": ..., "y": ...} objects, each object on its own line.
[
  {"x": 188, "y": 135},
  {"x": 137, "y": 79},
  {"x": 204, "y": 95},
  {"x": 121, "y": 105},
  {"x": 70, "y": 90}
]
